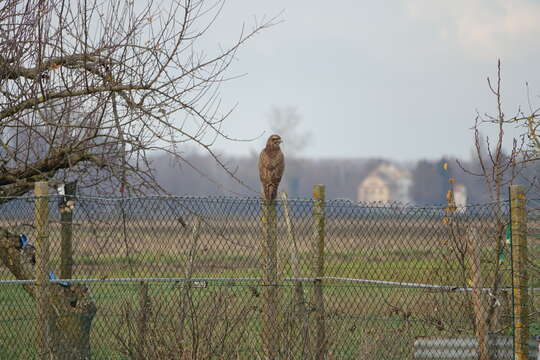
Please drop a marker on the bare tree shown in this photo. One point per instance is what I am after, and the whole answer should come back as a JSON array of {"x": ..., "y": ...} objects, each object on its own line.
[
  {"x": 529, "y": 122},
  {"x": 532, "y": 134},
  {"x": 528, "y": 152},
  {"x": 89, "y": 89},
  {"x": 498, "y": 168}
]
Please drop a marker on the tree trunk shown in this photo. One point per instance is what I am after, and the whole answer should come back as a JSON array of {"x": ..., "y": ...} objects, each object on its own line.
[
  {"x": 71, "y": 309},
  {"x": 70, "y": 321}
]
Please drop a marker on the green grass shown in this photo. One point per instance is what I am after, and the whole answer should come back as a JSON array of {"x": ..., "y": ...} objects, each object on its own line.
[{"x": 363, "y": 321}]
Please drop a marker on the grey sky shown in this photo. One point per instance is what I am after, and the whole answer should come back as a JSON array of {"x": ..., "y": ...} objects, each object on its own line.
[{"x": 394, "y": 79}]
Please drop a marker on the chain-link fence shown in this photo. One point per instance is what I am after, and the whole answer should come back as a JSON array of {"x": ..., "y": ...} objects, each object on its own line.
[
  {"x": 533, "y": 268},
  {"x": 205, "y": 278}
]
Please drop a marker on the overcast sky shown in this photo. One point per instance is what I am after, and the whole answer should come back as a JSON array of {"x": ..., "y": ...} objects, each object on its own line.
[{"x": 394, "y": 79}]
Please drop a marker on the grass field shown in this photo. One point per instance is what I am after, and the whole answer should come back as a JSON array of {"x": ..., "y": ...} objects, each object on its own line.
[
  {"x": 360, "y": 319},
  {"x": 223, "y": 319}
]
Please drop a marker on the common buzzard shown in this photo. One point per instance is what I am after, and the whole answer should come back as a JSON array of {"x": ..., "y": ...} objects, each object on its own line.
[{"x": 271, "y": 166}]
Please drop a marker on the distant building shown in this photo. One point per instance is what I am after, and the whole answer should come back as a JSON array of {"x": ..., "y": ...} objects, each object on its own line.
[
  {"x": 386, "y": 183},
  {"x": 460, "y": 196}
]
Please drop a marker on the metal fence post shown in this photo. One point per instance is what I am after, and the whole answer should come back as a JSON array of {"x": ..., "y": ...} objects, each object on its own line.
[
  {"x": 66, "y": 220},
  {"x": 270, "y": 333},
  {"x": 41, "y": 214},
  {"x": 318, "y": 269},
  {"x": 519, "y": 271}
]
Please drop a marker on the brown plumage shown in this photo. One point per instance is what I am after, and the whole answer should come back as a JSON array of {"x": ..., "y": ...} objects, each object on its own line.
[{"x": 271, "y": 166}]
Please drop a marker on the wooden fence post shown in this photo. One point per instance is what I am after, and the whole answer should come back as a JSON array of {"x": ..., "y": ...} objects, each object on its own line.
[
  {"x": 518, "y": 213},
  {"x": 188, "y": 275},
  {"x": 480, "y": 314},
  {"x": 300, "y": 306},
  {"x": 270, "y": 331},
  {"x": 41, "y": 219},
  {"x": 142, "y": 320},
  {"x": 318, "y": 269}
]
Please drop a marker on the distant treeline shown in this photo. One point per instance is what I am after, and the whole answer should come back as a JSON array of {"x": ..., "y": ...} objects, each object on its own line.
[{"x": 341, "y": 177}]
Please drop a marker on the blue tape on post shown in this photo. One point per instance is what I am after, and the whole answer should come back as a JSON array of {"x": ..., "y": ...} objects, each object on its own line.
[{"x": 52, "y": 276}]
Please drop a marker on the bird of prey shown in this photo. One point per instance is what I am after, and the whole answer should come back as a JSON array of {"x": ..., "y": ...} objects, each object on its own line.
[{"x": 271, "y": 166}]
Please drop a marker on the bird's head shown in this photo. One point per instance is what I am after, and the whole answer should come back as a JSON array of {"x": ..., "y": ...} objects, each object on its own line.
[{"x": 273, "y": 142}]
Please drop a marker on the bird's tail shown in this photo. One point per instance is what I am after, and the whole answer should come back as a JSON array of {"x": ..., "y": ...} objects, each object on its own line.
[
  {"x": 273, "y": 194},
  {"x": 270, "y": 192}
]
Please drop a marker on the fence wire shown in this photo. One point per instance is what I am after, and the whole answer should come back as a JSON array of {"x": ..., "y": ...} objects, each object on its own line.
[
  {"x": 533, "y": 269},
  {"x": 186, "y": 278}
]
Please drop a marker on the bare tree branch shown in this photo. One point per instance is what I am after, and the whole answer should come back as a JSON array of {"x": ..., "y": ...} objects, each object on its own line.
[{"x": 91, "y": 89}]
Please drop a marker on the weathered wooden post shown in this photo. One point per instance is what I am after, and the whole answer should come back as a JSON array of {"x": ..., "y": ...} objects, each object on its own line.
[
  {"x": 190, "y": 266},
  {"x": 66, "y": 231},
  {"x": 480, "y": 314},
  {"x": 64, "y": 311},
  {"x": 188, "y": 275},
  {"x": 142, "y": 320},
  {"x": 41, "y": 218},
  {"x": 518, "y": 213},
  {"x": 270, "y": 331},
  {"x": 299, "y": 299},
  {"x": 318, "y": 269}
]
